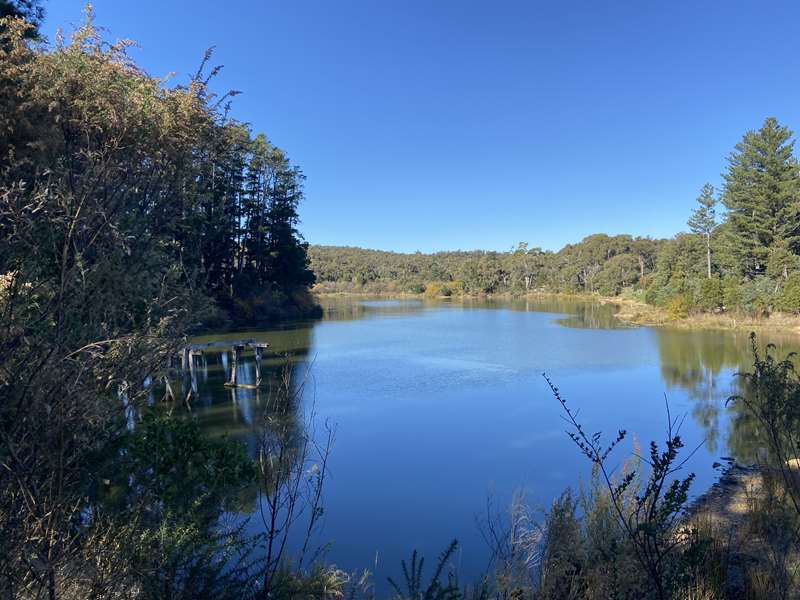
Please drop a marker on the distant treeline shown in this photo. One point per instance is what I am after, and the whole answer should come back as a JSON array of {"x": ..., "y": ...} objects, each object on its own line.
[
  {"x": 746, "y": 256},
  {"x": 600, "y": 263}
]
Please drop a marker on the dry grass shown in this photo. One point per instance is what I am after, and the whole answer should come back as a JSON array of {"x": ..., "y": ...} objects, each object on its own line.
[{"x": 638, "y": 313}]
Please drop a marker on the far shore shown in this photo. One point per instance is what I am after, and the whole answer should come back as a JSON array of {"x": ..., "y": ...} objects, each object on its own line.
[
  {"x": 631, "y": 310},
  {"x": 639, "y": 313}
]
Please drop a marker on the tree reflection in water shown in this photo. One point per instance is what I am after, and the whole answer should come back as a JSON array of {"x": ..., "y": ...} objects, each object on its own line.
[{"x": 705, "y": 365}]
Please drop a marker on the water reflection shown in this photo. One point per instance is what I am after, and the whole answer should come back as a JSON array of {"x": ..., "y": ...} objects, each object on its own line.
[
  {"x": 443, "y": 400},
  {"x": 705, "y": 365},
  {"x": 344, "y": 308},
  {"x": 575, "y": 312},
  {"x": 239, "y": 411},
  {"x": 261, "y": 418},
  {"x": 702, "y": 364}
]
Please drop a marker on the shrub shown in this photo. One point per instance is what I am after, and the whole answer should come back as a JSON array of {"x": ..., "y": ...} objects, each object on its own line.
[
  {"x": 413, "y": 588},
  {"x": 437, "y": 289},
  {"x": 758, "y": 295},
  {"x": 710, "y": 295},
  {"x": 678, "y": 307},
  {"x": 563, "y": 560},
  {"x": 653, "y": 295},
  {"x": 646, "y": 509},
  {"x": 731, "y": 293},
  {"x": 789, "y": 300}
]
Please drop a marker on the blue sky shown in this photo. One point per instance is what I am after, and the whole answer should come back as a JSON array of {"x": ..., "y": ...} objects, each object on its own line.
[{"x": 432, "y": 125}]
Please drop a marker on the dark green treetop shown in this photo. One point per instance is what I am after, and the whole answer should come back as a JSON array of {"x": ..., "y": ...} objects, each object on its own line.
[{"x": 762, "y": 195}]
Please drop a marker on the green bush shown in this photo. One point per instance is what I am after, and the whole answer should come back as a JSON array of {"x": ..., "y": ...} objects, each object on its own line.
[
  {"x": 678, "y": 307},
  {"x": 651, "y": 295},
  {"x": 758, "y": 295},
  {"x": 711, "y": 296},
  {"x": 789, "y": 300},
  {"x": 731, "y": 293}
]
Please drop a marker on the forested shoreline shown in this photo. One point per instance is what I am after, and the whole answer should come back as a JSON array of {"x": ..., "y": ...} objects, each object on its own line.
[
  {"x": 740, "y": 255},
  {"x": 98, "y": 147},
  {"x": 133, "y": 212}
]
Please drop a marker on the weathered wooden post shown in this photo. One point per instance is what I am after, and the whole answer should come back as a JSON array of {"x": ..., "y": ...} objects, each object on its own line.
[
  {"x": 168, "y": 393},
  {"x": 235, "y": 352},
  {"x": 234, "y": 402},
  {"x": 258, "y": 366},
  {"x": 191, "y": 362},
  {"x": 185, "y": 361},
  {"x": 192, "y": 374}
]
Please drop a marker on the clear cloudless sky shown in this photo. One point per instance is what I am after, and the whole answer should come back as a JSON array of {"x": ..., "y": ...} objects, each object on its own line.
[{"x": 431, "y": 125}]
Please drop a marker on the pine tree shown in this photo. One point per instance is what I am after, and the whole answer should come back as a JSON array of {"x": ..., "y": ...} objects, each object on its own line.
[
  {"x": 704, "y": 219},
  {"x": 286, "y": 249},
  {"x": 762, "y": 195}
]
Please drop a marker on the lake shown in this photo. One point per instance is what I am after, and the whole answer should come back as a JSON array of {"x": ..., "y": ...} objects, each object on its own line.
[{"x": 439, "y": 406}]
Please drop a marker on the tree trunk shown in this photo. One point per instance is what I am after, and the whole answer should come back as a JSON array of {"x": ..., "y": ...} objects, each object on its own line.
[{"x": 708, "y": 253}]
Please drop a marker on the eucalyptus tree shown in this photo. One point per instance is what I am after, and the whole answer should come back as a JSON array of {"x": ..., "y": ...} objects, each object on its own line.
[
  {"x": 704, "y": 219},
  {"x": 526, "y": 265}
]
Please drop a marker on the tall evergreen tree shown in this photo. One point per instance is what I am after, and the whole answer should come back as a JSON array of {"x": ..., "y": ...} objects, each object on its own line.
[
  {"x": 762, "y": 195},
  {"x": 272, "y": 253},
  {"x": 286, "y": 249},
  {"x": 704, "y": 219}
]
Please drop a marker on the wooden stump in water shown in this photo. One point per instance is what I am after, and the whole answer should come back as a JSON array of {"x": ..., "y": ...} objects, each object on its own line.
[
  {"x": 189, "y": 352},
  {"x": 258, "y": 366},
  {"x": 186, "y": 358},
  {"x": 235, "y": 353}
]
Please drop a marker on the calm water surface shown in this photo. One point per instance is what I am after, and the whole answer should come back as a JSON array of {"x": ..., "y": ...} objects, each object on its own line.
[{"x": 440, "y": 405}]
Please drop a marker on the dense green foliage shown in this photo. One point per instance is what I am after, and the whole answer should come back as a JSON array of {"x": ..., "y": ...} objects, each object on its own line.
[
  {"x": 129, "y": 212},
  {"x": 762, "y": 188},
  {"x": 599, "y": 263},
  {"x": 164, "y": 167},
  {"x": 747, "y": 261}
]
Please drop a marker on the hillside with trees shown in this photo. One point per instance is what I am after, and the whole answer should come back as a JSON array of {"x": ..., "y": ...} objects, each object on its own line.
[
  {"x": 741, "y": 253},
  {"x": 576, "y": 267}
]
